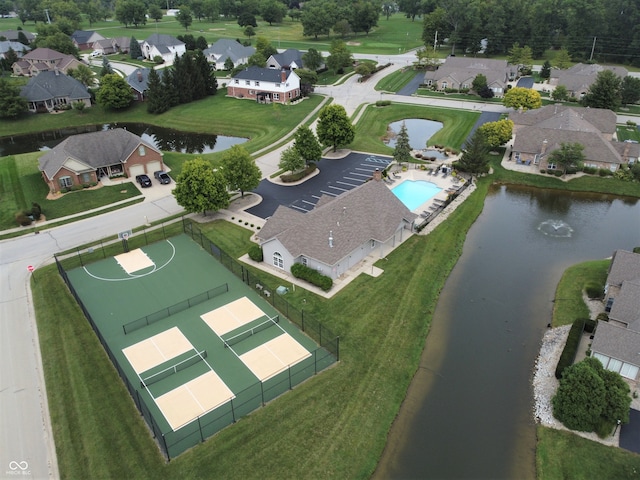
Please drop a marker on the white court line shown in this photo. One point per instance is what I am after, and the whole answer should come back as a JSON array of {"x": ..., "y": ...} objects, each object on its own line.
[
  {"x": 273, "y": 353},
  {"x": 158, "y": 348},
  {"x": 194, "y": 397}
]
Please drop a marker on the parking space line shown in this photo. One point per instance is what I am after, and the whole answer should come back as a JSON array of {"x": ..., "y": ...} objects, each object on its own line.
[
  {"x": 328, "y": 193},
  {"x": 299, "y": 208},
  {"x": 355, "y": 179},
  {"x": 346, "y": 183},
  {"x": 368, "y": 174},
  {"x": 338, "y": 188},
  {"x": 310, "y": 203}
]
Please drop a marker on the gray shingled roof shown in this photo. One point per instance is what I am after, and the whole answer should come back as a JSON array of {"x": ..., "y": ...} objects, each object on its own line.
[
  {"x": 368, "y": 212},
  {"x": 286, "y": 58},
  {"x": 624, "y": 266},
  {"x": 48, "y": 85},
  {"x": 45, "y": 54},
  {"x": 162, "y": 40},
  {"x": 227, "y": 48},
  {"x": 260, "y": 74},
  {"x": 602, "y": 119},
  {"x": 581, "y": 76},
  {"x": 95, "y": 149},
  {"x": 465, "y": 68},
  {"x": 13, "y": 35},
  {"x": 617, "y": 342},
  {"x": 17, "y": 47},
  {"x": 139, "y": 78},
  {"x": 626, "y": 306}
]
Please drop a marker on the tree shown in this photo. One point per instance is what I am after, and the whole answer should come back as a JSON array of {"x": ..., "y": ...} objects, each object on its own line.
[
  {"x": 402, "y": 150},
  {"x": 569, "y": 155},
  {"x": 520, "y": 97},
  {"x": 272, "y": 11},
  {"x": 474, "y": 154},
  {"x": 307, "y": 145},
  {"x": 562, "y": 59},
  {"x": 389, "y": 8},
  {"x": 83, "y": 74},
  {"x": 312, "y": 59},
  {"x": 184, "y": 17},
  {"x": 364, "y": 16},
  {"x": 201, "y": 43},
  {"x": 135, "y": 51},
  {"x": 497, "y": 133},
  {"x": 228, "y": 63},
  {"x": 364, "y": 68},
  {"x": 131, "y": 12},
  {"x": 339, "y": 56},
  {"x": 560, "y": 93},
  {"x": 155, "y": 13},
  {"x": 479, "y": 83},
  {"x": 240, "y": 170},
  {"x": 11, "y": 103},
  {"x": 50, "y": 36},
  {"x": 545, "y": 71},
  {"x": 106, "y": 67},
  {"x": 257, "y": 60},
  {"x": 245, "y": 19},
  {"x": 156, "y": 94},
  {"x": 522, "y": 57},
  {"x": 249, "y": 31},
  {"x": 308, "y": 78},
  {"x": 10, "y": 57},
  {"x": 114, "y": 92},
  {"x": 426, "y": 58},
  {"x": 199, "y": 189},
  {"x": 334, "y": 127},
  {"x": 211, "y": 9},
  {"x": 630, "y": 90},
  {"x": 291, "y": 160},
  {"x": 590, "y": 398},
  {"x": 317, "y": 19},
  {"x": 264, "y": 47},
  {"x": 604, "y": 92},
  {"x": 342, "y": 28}
]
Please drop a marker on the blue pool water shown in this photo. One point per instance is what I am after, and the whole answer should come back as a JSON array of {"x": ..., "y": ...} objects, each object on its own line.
[{"x": 414, "y": 193}]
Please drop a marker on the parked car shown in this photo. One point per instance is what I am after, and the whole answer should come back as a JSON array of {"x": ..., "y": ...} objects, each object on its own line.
[
  {"x": 143, "y": 180},
  {"x": 95, "y": 54},
  {"x": 162, "y": 177}
]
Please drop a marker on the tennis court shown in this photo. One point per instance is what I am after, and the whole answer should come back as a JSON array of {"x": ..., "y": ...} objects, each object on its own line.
[{"x": 199, "y": 347}]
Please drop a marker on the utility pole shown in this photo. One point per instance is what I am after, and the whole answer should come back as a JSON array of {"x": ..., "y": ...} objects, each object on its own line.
[
  {"x": 593, "y": 48},
  {"x": 46, "y": 10},
  {"x": 435, "y": 41}
]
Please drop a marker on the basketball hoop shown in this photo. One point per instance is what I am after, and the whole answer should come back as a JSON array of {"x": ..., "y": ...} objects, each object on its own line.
[{"x": 125, "y": 236}]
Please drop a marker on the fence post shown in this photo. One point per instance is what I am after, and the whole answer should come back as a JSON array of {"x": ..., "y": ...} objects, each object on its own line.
[
  {"x": 337, "y": 349},
  {"x": 200, "y": 428},
  {"x": 302, "y": 316},
  {"x": 315, "y": 361},
  {"x": 262, "y": 392},
  {"x": 233, "y": 412},
  {"x": 289, "y": 369},
  {"x": 320, "y": 334},
  {"x": 166, "y": 450}
]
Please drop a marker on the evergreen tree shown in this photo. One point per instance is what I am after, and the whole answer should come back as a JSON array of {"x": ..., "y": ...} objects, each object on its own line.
[
  {"x": 402, "y": 151},
  {"x": 11, "y": 103},
  {"x": 545, "y": 71},
  {"x": 208, "y": 74},
  {"x": 169, "y": 88},
  {"x": 135, "y": 51},
  {"x": 604, "y": 92},
  {"x": 474, "y": 156},
  {"x": 156, "y": 97}
]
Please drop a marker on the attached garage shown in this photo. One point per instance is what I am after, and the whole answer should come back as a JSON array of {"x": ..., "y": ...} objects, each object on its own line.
[
  {"x": 153, "y": 167},
  {"x": 136, "y": 170}
]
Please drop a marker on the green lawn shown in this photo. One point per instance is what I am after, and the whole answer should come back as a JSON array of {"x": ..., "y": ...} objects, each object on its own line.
[
  {"x": 396, "y": 81},
  {"x": 373, "y": 125},
  {"x": 627, "y": 133}
]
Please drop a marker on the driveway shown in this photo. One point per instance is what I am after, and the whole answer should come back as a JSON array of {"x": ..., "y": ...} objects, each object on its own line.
[
  {"x": 336, "y": 176},
  {"x": 525, "y": 82},
  {"x": 630, "y": 433},
  {"x": 412, "y": 87}
]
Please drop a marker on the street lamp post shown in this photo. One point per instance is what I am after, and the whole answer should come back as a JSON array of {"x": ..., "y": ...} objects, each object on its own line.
[{"x": 616, "y": 429}]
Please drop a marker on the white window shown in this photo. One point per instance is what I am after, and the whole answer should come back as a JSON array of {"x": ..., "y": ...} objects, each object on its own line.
[
  {"x": 373, "y": 243},
  {"x": 251, "y": 92},
  {"x": 65, "y": 182},
  {"x": 603, "y": 359},
  {"x": 141, "y": 151},
  {"x": 614, "y": 365},
  {"x": 552, "y": 166},
  {"x": 445, "y": 85},
  {"x": 629, "y": 371},
  {"x": 86, "y": 177},
  {"x": 247, "y": 82},
  {"x": 278, "y": 261},
  {"x": 236, "y": 81},
  {"x": 257, "y": 83},
  {"x": 305, "y": 262}
]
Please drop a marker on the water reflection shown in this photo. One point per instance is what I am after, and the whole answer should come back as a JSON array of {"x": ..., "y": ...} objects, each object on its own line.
[
  {"x": 166, "y": 139},
  {"x": 419, "y": 131},
  {"x": 468, "y": 411}
]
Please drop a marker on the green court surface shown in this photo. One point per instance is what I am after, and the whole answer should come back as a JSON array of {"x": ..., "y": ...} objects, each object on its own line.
[{"x": 182, "y": 270}]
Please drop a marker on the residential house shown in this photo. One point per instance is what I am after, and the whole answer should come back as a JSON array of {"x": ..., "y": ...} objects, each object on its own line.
[
  {"x": 580, "y": 77},
  {"x": 106, "y": 46},
  {"x": 14, "y": 35},
  {"x": 138, "y": 80},
  {"x": 85, "y": 158},
  {"x": 339, "y": 232},
  {"x": 122, "y": 44},
  {"x": 539, "y": 132},
  {"x": 290, "y": 59},
  {"x": 17, "y": 47},
  {"x": 616, "y": 343},
  {"x": 265, "y": 85},
  {"x": 459, "y": 73},
  {"x": 161, "y": 45},
  {"x": 84, "y": 39},
  {"x": 44, "y": 60},
  {"x": 50, "y": 90},
  {"x": 224, "y": 49}
]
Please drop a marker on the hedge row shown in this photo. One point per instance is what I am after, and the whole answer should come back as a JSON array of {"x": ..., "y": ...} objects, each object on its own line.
[
  {"x": 312, "y": 276},
  {"x": 294, "y": 177},
  {"x": 573, "y": 342}
]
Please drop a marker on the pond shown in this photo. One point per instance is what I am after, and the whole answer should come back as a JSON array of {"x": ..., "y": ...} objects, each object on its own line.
[
  {"x": 166, "y": 139},
  {"x": 419, "y": 131},
  {"x": 468, "y": 412}
]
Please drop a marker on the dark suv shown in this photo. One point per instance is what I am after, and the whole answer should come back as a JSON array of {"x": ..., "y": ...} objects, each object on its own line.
[
  {"x": 143, "y": 180},
  {"x": 162, "y": 177}
]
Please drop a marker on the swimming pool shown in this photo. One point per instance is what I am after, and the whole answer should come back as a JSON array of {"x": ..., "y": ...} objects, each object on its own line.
[{"x": 414, "y": 193}]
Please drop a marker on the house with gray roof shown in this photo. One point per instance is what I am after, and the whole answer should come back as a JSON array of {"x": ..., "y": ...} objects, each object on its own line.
[
  {"x": 290, "y": 59},
  {"x": 225, "y": 49},
  {"x": 84, "y": 39},
  {"x": 161, "y": 45},
  {"x": 51, "y": 90},
  {"x": 616, "y": 343},
  {"x": 265, "y": 85},
  {"x": 44, "y": 60},
  {"x": 580, "y": 77},
  {"x": 459, "y": 73},
  {"x": 339, "y": 232},
  {"x": 14, "y": 35},
  {"x": 539, "y": 132},
  {"x": 17, "y": 47},
  {"x": 85, "y": 158}
]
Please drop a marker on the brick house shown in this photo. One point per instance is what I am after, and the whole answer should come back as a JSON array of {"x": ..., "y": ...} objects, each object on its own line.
[
  {"x": 44, "y": 60},
  {"x": 460, "y": 72},
  {"x": 84, "y": 159},
  {"x": 265, "y": 85}
]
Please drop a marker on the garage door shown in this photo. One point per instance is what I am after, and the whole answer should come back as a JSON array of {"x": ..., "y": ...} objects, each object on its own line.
[
  {"x": 153, "y": 167},
  {"x": 136, "y": 170}
]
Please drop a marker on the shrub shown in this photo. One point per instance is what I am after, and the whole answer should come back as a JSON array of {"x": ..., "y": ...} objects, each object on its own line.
[
  {"x": 570, "y": 348},
  {"x": 255, "y": 253},
  {"x": 590, "y": 325},
  {"x": 590, "y": 170},
  {"x": 36, "y": 211},
  {"x": 558, "y": 173},
  {"x": 550, "y": 171},
  {"x": 158, "y": 60},
  {"x": 631, "y": 123},
  {"x": 294, "y": 177},
  {"x": 383, "y": 103},
  {"x": 602, "y": 317},
  {"x": 75, "y": 188},
  {"x": 312, "y": 276},
  {"x": 593, "y": 290},
  {"x": 23, "y": 219},
  {"x": 605, "y": 172},
  {"x": 543, "y": 170}
]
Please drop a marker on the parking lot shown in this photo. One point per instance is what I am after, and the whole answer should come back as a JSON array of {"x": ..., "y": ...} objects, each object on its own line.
[{"x": 336, "y": 177}]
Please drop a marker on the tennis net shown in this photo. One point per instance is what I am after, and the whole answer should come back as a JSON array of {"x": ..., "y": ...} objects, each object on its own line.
[
  {"x": 167, "y": 372},
  {"x": 269, "y": 322}
]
